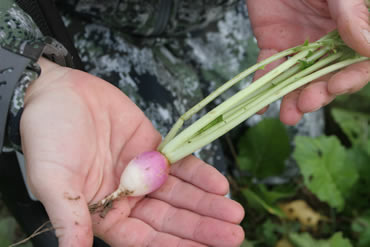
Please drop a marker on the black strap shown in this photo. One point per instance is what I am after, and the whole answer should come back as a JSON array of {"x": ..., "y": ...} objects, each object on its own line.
[
  {"x": 47, "y": 17},
  {"x": 10, "y": 73}
]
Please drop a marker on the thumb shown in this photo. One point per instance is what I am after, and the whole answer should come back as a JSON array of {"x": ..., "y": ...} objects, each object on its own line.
[
  {"x": 66, "y": 208},
  {"x": 352, "y": 19}
]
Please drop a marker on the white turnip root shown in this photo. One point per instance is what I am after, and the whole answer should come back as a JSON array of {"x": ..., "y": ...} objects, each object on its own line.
[{"x": 143, "y": 175}]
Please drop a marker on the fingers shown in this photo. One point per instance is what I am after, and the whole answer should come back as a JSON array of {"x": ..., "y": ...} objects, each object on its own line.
[
  {"x": 135, "y": 232},
  {"x": 119, "y": 227},
  {"x": 350, "y": 79},
  {"x": 188, "y": 225},
  {"x": 352, "y": 18},
  {"x": 314, "y": 96},
  {"x": 177, "y": 193},
  {"x": 66, "y": 208},
  {"x": 200, "y": 174},
  {"x": 290, "y": 114},
  {"x": 320, "y": 93}
]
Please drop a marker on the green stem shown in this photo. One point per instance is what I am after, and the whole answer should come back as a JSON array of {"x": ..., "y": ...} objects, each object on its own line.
[
  {"x": 221, "y": 128},
  {"x": 295, "y": 72},
  {"x": 177, "y": 126},
  {"x": 230, "y": 103},
  {"x": 314, "y": 57}
]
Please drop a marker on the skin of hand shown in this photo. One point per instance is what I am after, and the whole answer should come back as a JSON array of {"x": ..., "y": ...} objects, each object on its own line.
[
  {"x": 78, "y": 133},
  {"x": 281, "y": 24}
]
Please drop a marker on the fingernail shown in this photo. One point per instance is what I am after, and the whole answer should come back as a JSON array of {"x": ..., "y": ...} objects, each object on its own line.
[{"x": 366, "y": 34}]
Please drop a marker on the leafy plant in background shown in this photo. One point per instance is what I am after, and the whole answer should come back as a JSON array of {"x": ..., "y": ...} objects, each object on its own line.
[
  {"x": 327, "y": 204},
  {"x": 9, "y": 229}
]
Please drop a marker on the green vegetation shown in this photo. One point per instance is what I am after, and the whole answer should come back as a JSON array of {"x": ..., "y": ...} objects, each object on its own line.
[
  {"x": 327, "y": 203},
  {"x": 10, "y": 231}
]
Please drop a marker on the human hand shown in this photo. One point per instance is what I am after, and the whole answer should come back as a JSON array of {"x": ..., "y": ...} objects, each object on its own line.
[
  {"x": 78, "y": 133},
  {"x": 282, "y": 24}
]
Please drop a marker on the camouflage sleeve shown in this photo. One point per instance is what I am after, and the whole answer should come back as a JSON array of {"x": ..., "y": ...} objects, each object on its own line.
[{"x": 19, "y": 34}]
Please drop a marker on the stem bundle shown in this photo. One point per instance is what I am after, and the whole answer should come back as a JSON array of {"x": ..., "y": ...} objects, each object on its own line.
[{"x": 306, "y": 63}]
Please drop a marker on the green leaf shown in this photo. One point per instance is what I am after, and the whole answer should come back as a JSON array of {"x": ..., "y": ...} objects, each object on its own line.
[
  {"x": 360, "y": 192},
  {"x": 303, "y": 64},
  {"x": 264, "y": 148},
  {"x": 355, "y": 125},
  {"x": 247, "y": 243},
  {"x": 323, "y": 162},
  {"x": 310, "y": 53},
  {"x": 10, "y": 232},
  {"x": 7, "y": 230},
  {"x": 361, "y": 227},
  {"x": 257, "y": 202},
  {"x": 305, "y": 240},
  {"x": 269, "y": 232},
  {"x": 277, "y": 193},
  {"x": 337, "y": 240}
]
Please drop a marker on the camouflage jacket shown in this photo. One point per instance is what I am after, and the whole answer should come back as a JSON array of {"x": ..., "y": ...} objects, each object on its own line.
[
  {"x": 150, "y": 18},
  {"x": 178, "y": 49}
]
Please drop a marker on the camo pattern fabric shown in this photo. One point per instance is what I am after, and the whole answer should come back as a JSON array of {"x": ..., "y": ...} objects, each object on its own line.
[
  {"x": 168, "y": 74},
  {"x": 19, "y": 34},
  {"x": 204, "y": 44},
  {"x": 17, "y": 30},
  {"x": 148, "y": 18},
  {"x": 166, "y": 67}
]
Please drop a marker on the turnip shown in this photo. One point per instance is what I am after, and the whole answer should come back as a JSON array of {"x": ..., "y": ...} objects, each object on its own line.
[
  {"x": 143, "y": 174},
  {"x": 306, "y": 62}
]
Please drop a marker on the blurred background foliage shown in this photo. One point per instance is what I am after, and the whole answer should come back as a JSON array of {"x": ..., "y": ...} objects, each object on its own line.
[
  {"x": 10, "y": 232},
  {"x": 327, "y": 203}
]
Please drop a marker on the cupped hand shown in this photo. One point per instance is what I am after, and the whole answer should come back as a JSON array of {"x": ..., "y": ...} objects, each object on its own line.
[
  {"x": 78, "y": 133},
  {"x": 281, "y": 24}
]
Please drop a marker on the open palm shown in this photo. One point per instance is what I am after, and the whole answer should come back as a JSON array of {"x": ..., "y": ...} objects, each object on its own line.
[
  {"x": 78, "y": 133},
  {"x": 281, "y": 24}
]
